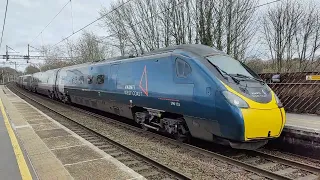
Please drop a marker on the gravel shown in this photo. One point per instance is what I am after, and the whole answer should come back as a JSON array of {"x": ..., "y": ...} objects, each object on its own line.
[
  {"x": 277, "y": 167},
  {"x": 297, "y": 174},
  {"x": 309, "y": 161},
  {"x": 197, "y": 166},
  {"x": 262, "y": 161}
]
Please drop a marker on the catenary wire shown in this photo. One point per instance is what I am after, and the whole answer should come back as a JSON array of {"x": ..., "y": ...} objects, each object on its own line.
[
  {"x": 92, "y": 22},
  {"x": 51, "y": 21},
  {"x": 4, "y": 22}
]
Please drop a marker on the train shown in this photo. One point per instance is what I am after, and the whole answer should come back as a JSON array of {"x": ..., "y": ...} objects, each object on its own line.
[{"x": 186, "y": 91}]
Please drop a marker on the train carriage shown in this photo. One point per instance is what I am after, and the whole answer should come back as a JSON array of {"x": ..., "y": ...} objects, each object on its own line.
[
  {"x": 26, "y": 81},
  {"x": 185, "y": 90}
]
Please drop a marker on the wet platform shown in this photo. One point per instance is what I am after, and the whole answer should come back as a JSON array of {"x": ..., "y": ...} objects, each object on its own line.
[{"x": 51, "y": 150}]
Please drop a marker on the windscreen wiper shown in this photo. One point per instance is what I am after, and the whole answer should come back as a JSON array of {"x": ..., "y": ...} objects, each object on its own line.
[
  {"x": 248, "y": 77},
  {"x": 222, "y": 71}
]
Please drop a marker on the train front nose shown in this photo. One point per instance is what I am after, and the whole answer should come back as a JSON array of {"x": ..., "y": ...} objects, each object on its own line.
[
  {"x": 260, "y": 120},
  {"x": 263, "y": 120},
  {"x": 263, "y": 123}
]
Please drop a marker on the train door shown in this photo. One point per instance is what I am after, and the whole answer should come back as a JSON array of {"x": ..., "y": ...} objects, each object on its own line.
[
  {"x": 56, "y": 85},
  {"x": 113, "y": 77},
  {"x": 184, "y": 85},
  {"x": 61, "y": 80},
  {"x": 112, "y": 81}
]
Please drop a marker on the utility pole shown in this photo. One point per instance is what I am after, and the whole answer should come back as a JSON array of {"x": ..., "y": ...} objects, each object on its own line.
[
  {"x": 7, "y": 56},
  {"x": 28, "y": 53}
]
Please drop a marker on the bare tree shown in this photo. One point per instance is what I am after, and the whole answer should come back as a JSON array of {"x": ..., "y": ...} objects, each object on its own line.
[
  {"x": 204, "y": 22},
  {"x": 291, "y": 31},
  {"x": 144, "y": 25},
  {"x": 280, "y": 26},
  {"x": 115, "y": 25},
  {"x": 307, "y": 37},
  {"x": 31, "y": 69},
  {"x": 226, "y": 24},
  {"x": 88, "y": 48}
]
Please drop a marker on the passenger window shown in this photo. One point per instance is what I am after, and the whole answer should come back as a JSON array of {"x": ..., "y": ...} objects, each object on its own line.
[
  {"x": 183, "y": 69},
  {"x": 100, "y": 79}
]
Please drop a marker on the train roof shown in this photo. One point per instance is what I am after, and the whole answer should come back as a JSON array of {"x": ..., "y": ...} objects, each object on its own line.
[{"x": 199, "y": 49}]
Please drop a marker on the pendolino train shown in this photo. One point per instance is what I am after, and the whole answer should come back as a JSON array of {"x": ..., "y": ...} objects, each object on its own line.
[{"x": 185, "y": 90}]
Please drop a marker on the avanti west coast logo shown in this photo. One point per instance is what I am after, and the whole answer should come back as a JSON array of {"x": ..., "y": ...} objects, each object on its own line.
[{"x": 260, "y": 93}]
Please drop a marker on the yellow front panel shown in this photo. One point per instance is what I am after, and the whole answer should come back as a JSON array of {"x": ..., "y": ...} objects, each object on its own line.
[{"x": 258, "y": 122}]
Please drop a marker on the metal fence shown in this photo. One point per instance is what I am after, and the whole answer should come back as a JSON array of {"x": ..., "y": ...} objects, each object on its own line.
[{"x": 297, "y": 94}]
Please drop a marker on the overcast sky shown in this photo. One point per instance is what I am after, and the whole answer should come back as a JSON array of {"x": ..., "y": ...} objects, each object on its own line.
[{"x": 26, "y": 19}]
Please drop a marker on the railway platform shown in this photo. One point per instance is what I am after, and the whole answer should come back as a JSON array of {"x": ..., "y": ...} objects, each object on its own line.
[
  {"x": 34, "y": 146},
  {"x": 301, "y": 135},
  {"x": 303, "y": 122},
  {"x": 14, "y": 163}
]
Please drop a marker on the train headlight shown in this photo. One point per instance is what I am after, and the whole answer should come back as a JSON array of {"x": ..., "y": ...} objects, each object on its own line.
[
  {"x": 279, "y": 103},
  {"x": 235, "y": 100}
]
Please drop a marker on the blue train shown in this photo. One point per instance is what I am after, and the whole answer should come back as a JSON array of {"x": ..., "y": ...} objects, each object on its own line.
[{"x": 186, "y": 91}]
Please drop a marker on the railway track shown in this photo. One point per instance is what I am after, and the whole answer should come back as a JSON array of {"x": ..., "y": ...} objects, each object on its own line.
[
  {"x": 262, "y": 164},
  {"x": 278, "y": 165}
]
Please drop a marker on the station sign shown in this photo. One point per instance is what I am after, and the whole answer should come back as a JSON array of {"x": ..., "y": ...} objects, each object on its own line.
[{"x": 313, "y": 77}]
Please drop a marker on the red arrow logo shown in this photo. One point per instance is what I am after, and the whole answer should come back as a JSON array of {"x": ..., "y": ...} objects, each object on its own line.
[{"x": 144, "y": 81}]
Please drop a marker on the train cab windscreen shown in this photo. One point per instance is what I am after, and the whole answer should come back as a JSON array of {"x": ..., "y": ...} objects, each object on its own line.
[{"x": 229, "y": 65}]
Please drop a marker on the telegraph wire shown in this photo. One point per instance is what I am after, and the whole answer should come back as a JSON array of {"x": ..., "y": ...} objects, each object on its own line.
[
  {"x": 35, "y": 48},
  {"x": 4, "y": 22},
  {"x": 267, "y": 3},
  {"x": 51, "y": 21},
  {"x": 71, "y": 16},
  {"x": 12, "y": 49},
  {"x": 92, "y": 22}
]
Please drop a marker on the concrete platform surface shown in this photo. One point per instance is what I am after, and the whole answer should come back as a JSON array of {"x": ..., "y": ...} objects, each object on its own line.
[
  {"x": 12, "y": 166},
  {"x": 303, "y": 122},
  {"x": 55, "y": 152}
]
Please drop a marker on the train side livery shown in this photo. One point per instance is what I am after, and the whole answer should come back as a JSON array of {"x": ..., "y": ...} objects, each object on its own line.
[{"x": 185, "y": 90}]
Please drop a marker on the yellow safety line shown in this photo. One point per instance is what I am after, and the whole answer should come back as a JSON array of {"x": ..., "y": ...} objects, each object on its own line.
[{"x": 24, "y": 170}]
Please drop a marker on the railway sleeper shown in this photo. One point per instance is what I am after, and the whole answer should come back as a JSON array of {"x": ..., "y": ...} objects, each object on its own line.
[
  {"x": 149, "y": 174},
  {"x": 98, "y": 144},
  {"x": 132, "y": 162},
  {"x": 140, "y": 168},
  {"x": 115, "y": 154}
]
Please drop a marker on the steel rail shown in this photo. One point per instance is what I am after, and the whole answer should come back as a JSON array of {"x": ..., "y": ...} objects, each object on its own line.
[{"x": 306, "y": 167}]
